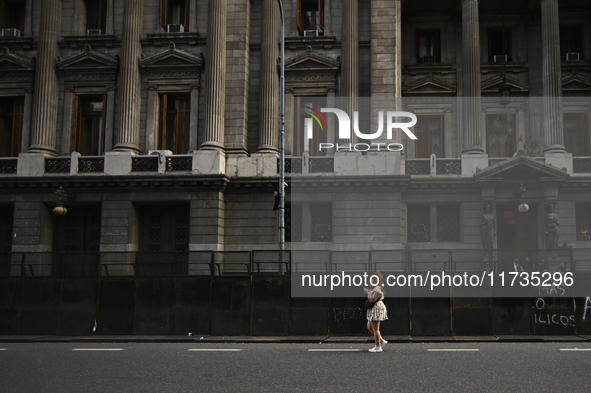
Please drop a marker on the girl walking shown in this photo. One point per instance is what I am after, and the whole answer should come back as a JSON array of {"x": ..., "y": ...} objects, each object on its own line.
[{"x": 377, "y": 313}]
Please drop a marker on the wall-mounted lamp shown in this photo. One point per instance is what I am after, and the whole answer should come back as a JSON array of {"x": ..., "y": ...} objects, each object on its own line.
[
  {"x": 522, "y": 207},
  {"x": 59, "y": 209}
]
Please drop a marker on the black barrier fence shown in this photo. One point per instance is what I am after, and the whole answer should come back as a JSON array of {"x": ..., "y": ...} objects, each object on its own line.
[{"x": 247, "y": 293}]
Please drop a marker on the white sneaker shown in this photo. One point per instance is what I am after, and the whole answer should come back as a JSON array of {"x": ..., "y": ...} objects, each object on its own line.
[
  {"x": 376, "y": 349},
  {"x": 384, "y": 342}
]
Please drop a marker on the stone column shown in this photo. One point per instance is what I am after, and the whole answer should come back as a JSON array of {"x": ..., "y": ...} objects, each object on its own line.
[
  {"x": 471, "y": 78},
  {"x": 552, "y": 86},
  {"x": 44, "y": 128},
  {"x": 26, "y": 136},
  {"x": 130, "y": 82},
  {"x": 215, "y": 75},
  {"x": 350, "y": 57},
  {"x": 269, "y": 101}
]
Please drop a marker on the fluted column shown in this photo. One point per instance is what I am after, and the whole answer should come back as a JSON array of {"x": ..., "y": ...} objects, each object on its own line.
[
  {"x": 45, "y": 97},
  {"x": 471, "y": 78},
  {"x": 552, "y": 86},
  {"x": 215, "y": 69},
  {"x": 350, "y": 54},
  {"x": 130, "y": 83},
  {"x": 269, "y": 101}
]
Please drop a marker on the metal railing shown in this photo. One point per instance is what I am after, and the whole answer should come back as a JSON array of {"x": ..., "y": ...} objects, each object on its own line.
[{"x": 269, "y": 262}]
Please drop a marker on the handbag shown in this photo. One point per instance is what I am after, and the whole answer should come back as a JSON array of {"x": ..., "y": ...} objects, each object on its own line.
[{"x": 369, "y": 304}]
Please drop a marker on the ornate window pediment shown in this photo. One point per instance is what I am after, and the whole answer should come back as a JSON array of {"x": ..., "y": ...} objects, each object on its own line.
[
  {"x": 16, "y": 68},
  {"x": 576, "y": 85},
  {"x": 311, "y": 70},
  {"x": 173, "y": 64},
  {"x": 492, "y": 85},
  {"x": 89, "y": 67},
  {"x": 429, "y": 86}
]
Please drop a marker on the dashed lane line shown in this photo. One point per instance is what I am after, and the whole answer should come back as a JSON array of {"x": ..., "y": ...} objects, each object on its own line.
[
  {"x": 215, "y": 350},
  {"x": 575, "y": 349},
  {"x": 97, "y": 349},
  {"x": 453, "y": 350},
  {"x": 334, "y": 350}
]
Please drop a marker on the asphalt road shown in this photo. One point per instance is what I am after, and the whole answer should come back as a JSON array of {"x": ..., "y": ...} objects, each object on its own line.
[{"x": 155, "y": 367}]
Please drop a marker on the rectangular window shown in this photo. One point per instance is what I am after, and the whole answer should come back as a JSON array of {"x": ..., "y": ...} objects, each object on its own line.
[
  {"x": 11, "y": 126},
  {"x": 576, "y": 134},
  {"x": 429, "y": 133},
  {"x": 448, "y": 223},
  {"x": 174, "y": 12},
  {"x": 317, "y": 215},
  {"x": 571, "y": 41},
  {"x": 89, "y": 128},
  {"x": 310, "y": 16},
  {"x": 12, "y": 16},
  {"x": 164, "y": 228},
  {"x": 428, "y": 48},
  {"x": 583, "y": 215},
  {"x": 78, "y": 231},
  {"x": 500, "y": 135},
  {"x": 303, "y": 120},
  {"x": 419, "y": 223},
  {"x": 175, "y": 117},
  {"x": 499, "y": 44},
  {"x": 96, "y": 16}
]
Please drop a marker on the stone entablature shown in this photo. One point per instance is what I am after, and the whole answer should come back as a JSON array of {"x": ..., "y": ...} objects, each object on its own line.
[
  {"x": 173, "y": 66},
  {"x": 311, "y": 70},
  {"x": 16, "y": 70}
]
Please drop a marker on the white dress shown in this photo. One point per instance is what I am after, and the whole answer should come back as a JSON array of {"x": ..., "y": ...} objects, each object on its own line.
[{"x": 379, "y": 311}]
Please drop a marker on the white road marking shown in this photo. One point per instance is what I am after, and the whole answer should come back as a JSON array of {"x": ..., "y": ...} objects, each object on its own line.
[
  {"x": 3, "y": 349},
  {"x": 575, "y": 349},
  {"x": 217, "y": 350},
  {"x": 452, "y": 350},
  {"x": 334, "y": 350},
  {"x": 97, "y": 349}
]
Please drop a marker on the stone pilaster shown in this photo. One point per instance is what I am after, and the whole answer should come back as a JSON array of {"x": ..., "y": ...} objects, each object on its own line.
[
  {"x": 551, "y": 75},
  {"x": 471, "y": 89},
  {"x": 45, "y": 97},
  {"x": 215, "y": 76},
  {"x": 350, "y": 55},
  {"x": 130, "y": 82},
  {"x": 269, "y": 99},
  {"x": 386, "y": 40}
]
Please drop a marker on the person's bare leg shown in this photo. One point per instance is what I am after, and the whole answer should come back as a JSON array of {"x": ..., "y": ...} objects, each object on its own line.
[{"x": 376, "y": 332}]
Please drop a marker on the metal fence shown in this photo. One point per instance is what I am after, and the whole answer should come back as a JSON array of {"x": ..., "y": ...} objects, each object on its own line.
[{"x": 248, "y": 293}]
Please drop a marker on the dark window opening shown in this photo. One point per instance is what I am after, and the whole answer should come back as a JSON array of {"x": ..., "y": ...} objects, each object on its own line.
[
  {"x": 428, "y": 46},
  {"x": 429, "y": 133},
  {"x": 96, "y": 16},
  {"x": 89, "y": 130},
  {"x": 320, "y": 222},
  {"x": 418, "y": 223},
  {"x": 11, "y": 126},
  {"x": 6, "y": 236},
  {"x": 500, "y": 135},
  {"x": 571, "y": 43},
  {"x": 576, "y": 134},
  {"x": 174, "y": 12},
  {"x": 448, "y": 223},
  {"x": 583, "y": 216},
  {"x": 499, "y": 45},
  {"x": 12, "y": 16},
  {"x": 175, "y": 117},
  {"x": 310, "y": 16}
]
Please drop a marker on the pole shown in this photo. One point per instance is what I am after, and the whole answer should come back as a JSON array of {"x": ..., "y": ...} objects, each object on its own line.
[{"x": 282, "y": 142}]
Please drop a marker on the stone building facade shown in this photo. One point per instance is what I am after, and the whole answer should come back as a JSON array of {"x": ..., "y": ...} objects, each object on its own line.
[{"x": 162, "y": 118}]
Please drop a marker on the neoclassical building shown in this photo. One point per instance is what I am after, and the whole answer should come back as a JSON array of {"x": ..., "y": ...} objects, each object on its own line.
[{"x": 160, "y": 121}]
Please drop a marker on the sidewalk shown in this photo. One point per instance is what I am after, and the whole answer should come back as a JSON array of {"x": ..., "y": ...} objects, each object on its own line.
[{"x": 286, "y": 339}]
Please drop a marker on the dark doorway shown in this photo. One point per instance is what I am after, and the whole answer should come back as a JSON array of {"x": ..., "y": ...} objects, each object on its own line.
[
  {"x": 515, "y": 229},
  {"x": 164, "y": 240},
  {"x": 76, "y": 241}
]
